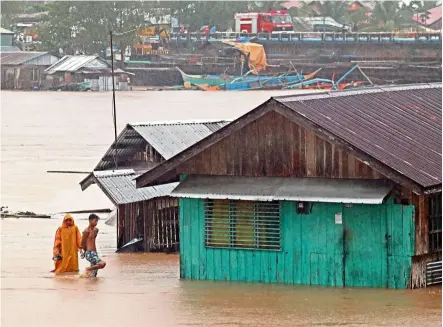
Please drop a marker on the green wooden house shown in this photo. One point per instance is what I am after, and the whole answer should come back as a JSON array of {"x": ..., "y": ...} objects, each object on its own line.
[{"x": 334, "y": 189}]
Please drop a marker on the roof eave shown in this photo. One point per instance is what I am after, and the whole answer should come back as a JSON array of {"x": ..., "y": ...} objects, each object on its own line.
[
  {"x": 432, "y": 189},
  {"x": 88, "y": 181}
]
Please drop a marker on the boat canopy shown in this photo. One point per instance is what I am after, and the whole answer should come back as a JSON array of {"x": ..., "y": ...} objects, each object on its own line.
[{"x": 255, "y": 52}]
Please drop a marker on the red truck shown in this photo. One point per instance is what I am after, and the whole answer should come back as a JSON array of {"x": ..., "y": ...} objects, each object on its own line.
[{"x": 272, "y": 21}]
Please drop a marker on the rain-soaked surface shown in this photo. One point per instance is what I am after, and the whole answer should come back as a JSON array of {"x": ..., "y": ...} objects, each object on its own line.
[{"x": 69, "y": 131}]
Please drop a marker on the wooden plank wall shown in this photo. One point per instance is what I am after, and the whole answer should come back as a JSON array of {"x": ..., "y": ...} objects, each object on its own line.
[
  {"x": 421, "y": 204},
  {"x": 274, "y": 146},
  {"x": 159, "y": 224}
]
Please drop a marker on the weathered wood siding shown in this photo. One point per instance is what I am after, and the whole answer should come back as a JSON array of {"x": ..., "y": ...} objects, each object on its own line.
[
  {"x": 274, "y": 146},
  {"x": 372, "y": 248},
  {"x": 156, "y": 221}
]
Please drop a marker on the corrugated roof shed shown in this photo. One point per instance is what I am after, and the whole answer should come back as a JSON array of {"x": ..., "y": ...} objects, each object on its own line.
[
  {"x": 400, "y": 126},
  {"x": 74, "y": 63},
  {"x": 23, "y": 57},
  {"x": 281, "y": 189},
  {"x": 167, "y": 138},
  {"x": 119, "y": 186}
]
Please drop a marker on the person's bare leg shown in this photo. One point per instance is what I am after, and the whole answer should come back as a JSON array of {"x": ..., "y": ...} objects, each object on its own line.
[{"x": 98, "y": 266}]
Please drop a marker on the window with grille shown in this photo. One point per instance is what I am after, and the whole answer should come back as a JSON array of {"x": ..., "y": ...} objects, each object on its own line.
[
  {"x": 242, "y": 224},
  {"x": 435, "y": 223}
]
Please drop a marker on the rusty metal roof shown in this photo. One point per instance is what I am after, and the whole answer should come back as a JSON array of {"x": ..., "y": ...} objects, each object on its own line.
[
  {"x": 281, "y": 189},
  {"x": 9, "y": 48},
  {"x": 400, "y": 126},
  {"x": 19, "y": 57},
  {"x": 397, "y": 130},
  {"x": 119, "y": 187}
]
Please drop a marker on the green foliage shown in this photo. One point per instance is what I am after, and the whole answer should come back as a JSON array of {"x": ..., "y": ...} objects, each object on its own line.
[
  {"x": 9, "y": 12},
  {"x": 84, "y": 26},
  {"x": 390, "y": 15}
]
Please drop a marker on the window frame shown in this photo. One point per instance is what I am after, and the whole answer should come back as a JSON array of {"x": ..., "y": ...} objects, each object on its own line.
[
  {"x": 435, "y": 223},
  {"x": 232, "y": 230}
]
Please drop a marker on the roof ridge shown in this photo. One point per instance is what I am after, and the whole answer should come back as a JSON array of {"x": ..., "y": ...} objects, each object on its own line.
[
  {"x": 179, "y": 122},
  {"x": 114, "y": 173},
  {"x": 365, "y": 90}
]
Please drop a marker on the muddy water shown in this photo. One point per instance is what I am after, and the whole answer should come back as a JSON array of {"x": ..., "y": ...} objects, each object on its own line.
[
  {"x": 43, "y": 131},
  {"x": 56, "y": 131}
]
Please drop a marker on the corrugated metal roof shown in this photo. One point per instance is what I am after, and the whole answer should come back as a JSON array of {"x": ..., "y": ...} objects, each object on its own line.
[
  {"x": 119, "y": 187},
  {"x": 72, "y": 64},
  {"x": 19, "y": 57},
  {"x": 168, "y": 139},
  {"x": 280, "y": 188},
  {"x": 400, "y": 126}
]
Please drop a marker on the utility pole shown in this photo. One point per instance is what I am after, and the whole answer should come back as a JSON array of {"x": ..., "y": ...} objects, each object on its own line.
[{"x": 114, "y": 114}]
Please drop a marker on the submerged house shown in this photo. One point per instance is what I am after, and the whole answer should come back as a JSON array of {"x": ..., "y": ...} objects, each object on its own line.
[
  {"x": 24, "y": 70},
  {"x": 335, "y": 188},
  {"x": 90, "y": 69},
  {"x": 148, "y": 215}
]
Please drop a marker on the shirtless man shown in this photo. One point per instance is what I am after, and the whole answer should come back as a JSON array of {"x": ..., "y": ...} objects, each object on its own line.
[{"x": 88, "y": 245}]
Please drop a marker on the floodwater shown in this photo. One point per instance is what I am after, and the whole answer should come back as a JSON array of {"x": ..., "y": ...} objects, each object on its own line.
[{"x": 69, "y": 131}]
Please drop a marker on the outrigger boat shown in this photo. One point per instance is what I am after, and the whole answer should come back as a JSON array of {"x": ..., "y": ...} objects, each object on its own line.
[
  {"x": 245, "y": 82},
  {"x": 330, "y": 84}
]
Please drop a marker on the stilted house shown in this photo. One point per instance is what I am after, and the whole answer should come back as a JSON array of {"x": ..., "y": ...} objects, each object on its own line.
[
  {"x": 336, "y": 189},
  {"x": 147, "y": 216}
]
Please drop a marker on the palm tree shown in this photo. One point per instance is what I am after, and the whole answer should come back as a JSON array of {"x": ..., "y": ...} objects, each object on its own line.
[
  {"x": 388, "y": 16},
  {"x": 357, "y": 19}
]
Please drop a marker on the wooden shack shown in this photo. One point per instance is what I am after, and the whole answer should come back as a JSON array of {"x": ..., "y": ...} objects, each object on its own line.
[
  {"x": 24, "y": 70},
  {"x": 336, "y": 188},
  {"x": 148, "y": 215}
]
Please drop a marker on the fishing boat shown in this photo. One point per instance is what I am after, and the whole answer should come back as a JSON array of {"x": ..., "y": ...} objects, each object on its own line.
[
  {"x": 245, "y": 82},
  {"x": 267, "y": 82},
  {"x": 210, "y": 80},
  {"x": 330, "y": 84}
]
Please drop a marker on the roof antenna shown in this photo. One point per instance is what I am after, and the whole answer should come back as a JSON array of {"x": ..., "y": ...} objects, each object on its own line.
[{"x": 113, "y": 102}]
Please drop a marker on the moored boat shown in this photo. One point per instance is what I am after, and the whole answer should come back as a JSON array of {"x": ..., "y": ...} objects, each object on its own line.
[{"x": 247, "y": 82}]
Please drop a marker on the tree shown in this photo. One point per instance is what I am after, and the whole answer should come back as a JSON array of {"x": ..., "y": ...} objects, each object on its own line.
[
  {"x": 10, "y": 11},
  {"x": 358, "y": 19},
  {"x": 421, "y": 9},
  {"x": 84, "y": 26},
  {"x": 196, "y": 14},
  {"x": 388, "y": 16}
]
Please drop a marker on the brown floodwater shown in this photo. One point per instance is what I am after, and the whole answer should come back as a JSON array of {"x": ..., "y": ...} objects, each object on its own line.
[{"x": 70, "y": 131}]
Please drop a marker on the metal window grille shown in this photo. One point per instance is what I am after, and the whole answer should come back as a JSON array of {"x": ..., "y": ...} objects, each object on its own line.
[
  {"x": 435, "y": 223},
  {"x": 242, "y": 224}
]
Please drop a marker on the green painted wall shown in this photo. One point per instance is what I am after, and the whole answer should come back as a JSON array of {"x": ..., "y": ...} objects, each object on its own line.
[{"x": 371, "y": 248}]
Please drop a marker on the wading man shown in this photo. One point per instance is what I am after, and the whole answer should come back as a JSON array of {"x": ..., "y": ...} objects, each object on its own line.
[
  {"x": 66, "y": 246},
  {"x": 88, "y": 245}
]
